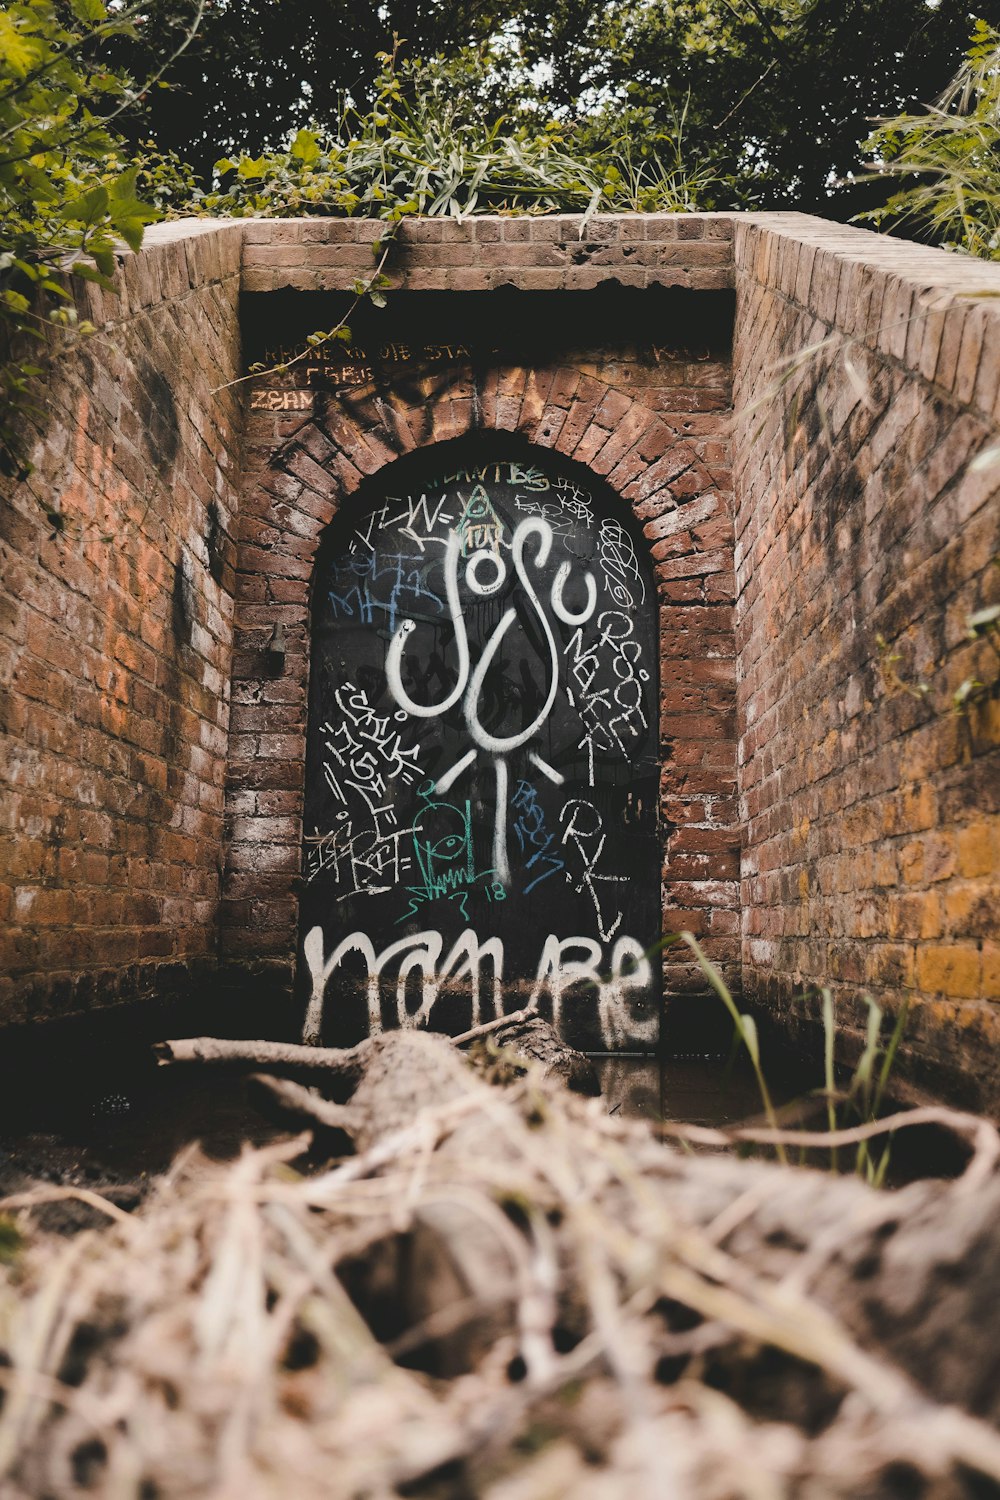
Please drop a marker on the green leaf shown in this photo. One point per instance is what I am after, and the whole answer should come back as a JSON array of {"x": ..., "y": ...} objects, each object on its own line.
[
  {"x": 750, "y": 1039},
  {"x": 91, "y": 11},
  {"x": 305, "y": 147},
  {"x": 131, "y": 231},
  {"x": 19, "y": 51},
  {"x": 89, "y": 208},
  {"x": 122, "y": 190},
  {"x": 104, "y": 259},
  {"x": 11, "y": 1240},
  {"x": 87, "y": 272}
]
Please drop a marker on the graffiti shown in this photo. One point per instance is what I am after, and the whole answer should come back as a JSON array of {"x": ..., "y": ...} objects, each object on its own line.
[
  {"x": 417, "y": 520},
  {"x": 481, "y": 782},
  {"x": 295, "y": 400},
  {"x": 367, "y": 585},
  {"x": 364, "y": 759},
  {"x": 620, "y": 565},
  {"x": 533, "y": 837},
  {"x": 608, "y": 687},
  {"x": 356, "y": 862},
  {"x": 503, "y": 472},
  {"x": 469, "y": 682},
  {"x": 559, "y": 973},
  {"x": 357, "y": 369},
  {"x": 445, "y": 858},
  {"x": 419, "y": 953},
  {"x": 584, "y": 833},
  {"x": 480, "y": 526},
  {"x": 630, "y": 969}
]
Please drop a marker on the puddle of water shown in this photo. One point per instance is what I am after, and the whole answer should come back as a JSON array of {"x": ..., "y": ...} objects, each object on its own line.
[
  {"x": 716, "y": 1092},
  {"x": 698, "y": 1090}
]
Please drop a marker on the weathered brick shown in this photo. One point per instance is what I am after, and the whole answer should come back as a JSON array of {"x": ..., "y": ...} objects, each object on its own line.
[
  {"x": 859, "y": 781},
  {"x": 126, "y": 623},
  {"x": 871, "y": 831}
]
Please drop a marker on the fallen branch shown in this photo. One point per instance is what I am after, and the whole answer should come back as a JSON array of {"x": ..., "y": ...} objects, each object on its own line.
[
  {"x": 605, "y": 1315},
  {"x": 515, "y": 1017},
  {"x": 37, "y": 1197},
  {"x": 346, "y": 1063}
]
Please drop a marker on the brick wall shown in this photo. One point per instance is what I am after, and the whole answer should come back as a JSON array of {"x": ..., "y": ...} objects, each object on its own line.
[
  {"x": 554, "y": 253},
  {"x": 866, "y": 375},
  {"x": 654, "y": 425},
  {"x": 115, "y": 629},
  {"x": 871, "y": 805}
]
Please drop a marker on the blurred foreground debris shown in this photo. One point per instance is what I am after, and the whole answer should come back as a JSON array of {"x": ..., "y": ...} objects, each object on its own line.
[{"x": 503, "y": 1293}]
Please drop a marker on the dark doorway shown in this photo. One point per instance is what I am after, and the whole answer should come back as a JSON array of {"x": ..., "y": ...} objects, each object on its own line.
[{"x": 482, "y": 775}]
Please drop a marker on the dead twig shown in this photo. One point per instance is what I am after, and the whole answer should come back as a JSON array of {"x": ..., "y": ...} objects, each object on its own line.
[{"x": 981, "y": 1134}]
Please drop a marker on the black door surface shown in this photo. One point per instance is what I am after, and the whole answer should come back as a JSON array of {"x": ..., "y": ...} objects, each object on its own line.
[{"x": 482, "y": 774}]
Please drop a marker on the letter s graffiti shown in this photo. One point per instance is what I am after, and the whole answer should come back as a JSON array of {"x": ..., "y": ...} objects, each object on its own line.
[{"x": 470, "y": 690}]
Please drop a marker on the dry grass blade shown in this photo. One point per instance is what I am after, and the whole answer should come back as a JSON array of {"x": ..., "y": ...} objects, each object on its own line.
[
  {"x": 35, "y": 1197},
  {"x": 222, "y": 1340}
]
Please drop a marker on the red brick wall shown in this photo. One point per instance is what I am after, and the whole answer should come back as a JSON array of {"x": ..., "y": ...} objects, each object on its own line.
[
  {"x": 550, "y": 253},
  {"x": 115, "y": 635},
  {"x": 656, "y": 431},
  {"x": 872, "y": 807}
]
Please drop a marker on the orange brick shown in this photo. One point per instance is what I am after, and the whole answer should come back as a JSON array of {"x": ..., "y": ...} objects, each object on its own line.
[
  {"x": 991, "y": 971},
  {"x": 955, "y": 970},
  {"x": 979, "y": 848},
  {"x": 972, "y": 910}
]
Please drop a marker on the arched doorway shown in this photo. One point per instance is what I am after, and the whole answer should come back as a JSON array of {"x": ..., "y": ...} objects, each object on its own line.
[{"x": 481, "y": 795}]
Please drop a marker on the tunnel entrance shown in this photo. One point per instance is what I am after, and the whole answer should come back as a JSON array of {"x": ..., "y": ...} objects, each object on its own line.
[{"x": 481, "y": 826}]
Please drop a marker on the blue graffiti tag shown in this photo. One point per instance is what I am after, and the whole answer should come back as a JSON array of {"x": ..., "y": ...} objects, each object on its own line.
[
  {"x": 529, "y": 826},
  {"x": 366, "y": 583}
]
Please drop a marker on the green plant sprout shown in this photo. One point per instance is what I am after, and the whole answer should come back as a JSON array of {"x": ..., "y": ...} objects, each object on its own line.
[
  {"x": 862, "y": 1096},
  {"x": 744, "y": 1026}
]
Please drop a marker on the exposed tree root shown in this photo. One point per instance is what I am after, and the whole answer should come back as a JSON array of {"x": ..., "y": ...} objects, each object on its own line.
[{"x": 505, "y": 1293}]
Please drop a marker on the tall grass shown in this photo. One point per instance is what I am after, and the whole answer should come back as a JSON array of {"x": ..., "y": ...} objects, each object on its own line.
[
  {"x": 947, "y": 159},
  {"x": 856, "y": 1100}
]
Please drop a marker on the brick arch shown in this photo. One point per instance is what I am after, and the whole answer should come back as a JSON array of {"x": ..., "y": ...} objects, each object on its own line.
[
  {"x": 351, "y": 438},
  {"x": 305, "y": 471}
]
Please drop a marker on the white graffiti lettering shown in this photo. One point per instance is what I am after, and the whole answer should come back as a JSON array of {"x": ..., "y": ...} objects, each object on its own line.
[
  {"x": 630, "y": 970},
  {"x": 469, "y": 682},
  {"x": 612, "y": 709},
  {"x": 564, "y": 964},
  {"x": 620, "y": 565},
  {"x": 584, "y": 831}
]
